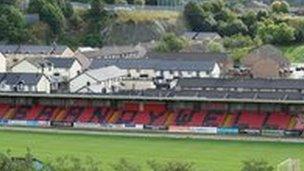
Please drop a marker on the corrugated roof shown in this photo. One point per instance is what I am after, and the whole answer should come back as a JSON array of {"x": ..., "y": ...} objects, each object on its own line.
[{"x": 156, "y": 64}]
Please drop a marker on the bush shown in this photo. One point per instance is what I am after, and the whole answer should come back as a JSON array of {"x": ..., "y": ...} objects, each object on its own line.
[
  {"x": 215, "y": 47},
  {"x": 93, "y": 40},
  {"x": 124, "y": 165},
  {"x": 274, "y": 33},
  {"x": 12, "y": 24},
  {"x": 280, "y": 6},
  {"x": 171, "y": 43},
  {"x": 256, "y": 165},
  {"x": 171, "y": 166}
]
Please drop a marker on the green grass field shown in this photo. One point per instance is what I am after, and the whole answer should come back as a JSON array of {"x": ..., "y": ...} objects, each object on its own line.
[{"x": 205, "y": 154}]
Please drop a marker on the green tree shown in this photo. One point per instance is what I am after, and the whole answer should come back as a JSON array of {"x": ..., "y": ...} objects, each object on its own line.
[
  {"x": 215, "y": 47},
  {"x": 8, "y": 2},
  {"x": 238, "y": 41},
  {"x": 139, "y": 2},
  {"x": 298, "y": 25},
  {"x": 280, "y": 6},
  {"x": 225, "y": 15},
  {"x": 256, "y": 165},
  {"x": 276, "y": 33},
  {"x": 151, "y": 2},
  {"x": 54, "y": 17},
  {"x": 12, "y": 24},
  {"x": 171, "y": 43},
  {"x": 199, "y": 19},
  {"x": 232, "y": 28},
  {"x": 93, "y": 40},
  {"x": 250, "y": 20},
  {"x": 50, "y": 13},
  {"x": 262, "y": 15}
]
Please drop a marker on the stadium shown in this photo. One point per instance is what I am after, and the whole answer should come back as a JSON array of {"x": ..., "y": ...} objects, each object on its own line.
[{"x": 264, "y": 110}]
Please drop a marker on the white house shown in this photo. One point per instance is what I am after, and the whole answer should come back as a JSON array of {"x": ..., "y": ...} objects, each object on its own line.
[
  {"x": 161, "y": 68},
  {"x": 24, "y": 82},
  {"x": 102, "y": 80},
  {"x": 16, "y": 53},
  {"x": 297, "y": 71},
  {"x": 58, "y": 70},
  {"x": 138, "y": 84},
  {"x": 2, "y": 63}
]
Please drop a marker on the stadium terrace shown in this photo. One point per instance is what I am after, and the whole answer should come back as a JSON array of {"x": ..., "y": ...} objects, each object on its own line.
[{"x": 271, "y": 109}]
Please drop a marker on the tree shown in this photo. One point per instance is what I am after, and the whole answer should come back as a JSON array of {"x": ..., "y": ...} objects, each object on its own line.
[
  {"x": 50, "y": 13},
  {"x": 276, "y": 33},
  {"x": 225, "y": 15},
  {"x": 8, "y": 2},
  {"x": 93, "y": 40},
  {"x": 171, "y": 43},
  {"x": 280, "y": 6},
  {"x": 215, "y": 47},
  {"x": 12, "y": 24},
  {"x": 54, "y": 17},
  {"x": 151, "y": 2},
  {"x": 250, "y": 20},
  {"x": 232, "y": 28},
  {"x": 262, "y": 15},
  {"x": 199, "y": 19},
  {"x": 298, "y": 25},
  {"x": 97, "y": 9},
  {"x": 256, "y": 165},
  {"x": 238, "y": 41},
  {"x": 139, "y": 2}
]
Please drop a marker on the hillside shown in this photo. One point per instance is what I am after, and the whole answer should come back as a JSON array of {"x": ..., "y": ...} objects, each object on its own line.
[{"x": 142, "y": 26}]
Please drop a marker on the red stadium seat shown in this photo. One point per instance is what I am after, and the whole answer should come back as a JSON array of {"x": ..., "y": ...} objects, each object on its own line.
[
  {"x": 3, "y": 109},
  {"x": 197, "y": 119},
  {"x": 214, "y": 119},
  {"x": 278, "y": 120},
  {"x": 252, "y": 120}
]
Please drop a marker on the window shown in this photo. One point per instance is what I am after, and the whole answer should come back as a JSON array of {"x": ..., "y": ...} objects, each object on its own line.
[{"x": 144, "y": 75}]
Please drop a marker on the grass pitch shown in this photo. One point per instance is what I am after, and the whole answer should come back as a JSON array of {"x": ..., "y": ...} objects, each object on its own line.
[{"x": 205, "y": 154}]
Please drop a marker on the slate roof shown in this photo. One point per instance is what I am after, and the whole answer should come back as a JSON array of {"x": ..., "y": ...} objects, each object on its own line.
[
  {"x": 156, "y": 64},
  {"x": 107, "y": 51},
  {"x": 189, "y": 56},
  {"x": 31, "y": 49},
  {"x": 257, "y": 83},
  {"x": 284, "y": 96},
  {"x": 57, "y": 62},
  {"x": 15, "y": 78}
]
